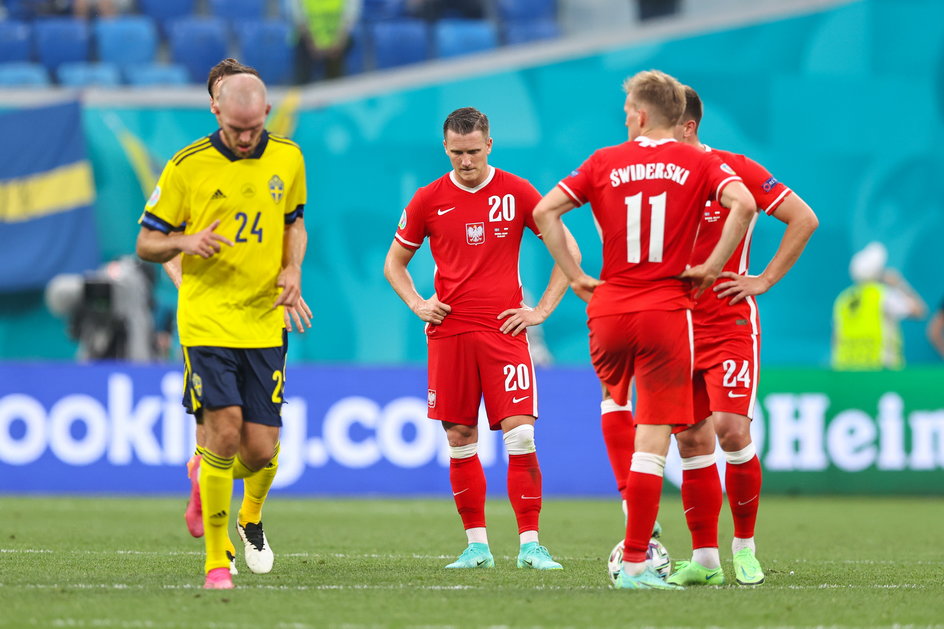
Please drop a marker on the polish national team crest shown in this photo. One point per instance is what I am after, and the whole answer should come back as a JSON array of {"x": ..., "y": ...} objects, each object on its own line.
[
  {"x": 276, "y": 188},
  {"x": 475, "y": 233},
  {"x": 431, "y": 398}
]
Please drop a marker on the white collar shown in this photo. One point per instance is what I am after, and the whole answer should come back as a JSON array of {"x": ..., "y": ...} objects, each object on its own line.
[
  {"x": 648, "y": 142},
  {"x": 488, "y": 179}
]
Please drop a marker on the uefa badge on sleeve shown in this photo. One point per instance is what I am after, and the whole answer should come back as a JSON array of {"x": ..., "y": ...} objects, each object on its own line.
[{"x": 431, "y": 398}]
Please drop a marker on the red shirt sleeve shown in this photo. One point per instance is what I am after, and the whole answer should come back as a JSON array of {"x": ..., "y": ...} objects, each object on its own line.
[
  {"x": 767, "y": 191},
  {"x": 411, "y": 230},
  {"x": 577, "y": 185},
  {"x": 719, "y": 174}
]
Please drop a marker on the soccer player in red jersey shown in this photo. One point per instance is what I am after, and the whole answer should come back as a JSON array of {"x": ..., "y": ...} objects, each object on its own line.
[
  {"x": 727, "y": 356},
  {"x": 647, "y": 196},
  {"x": 474, "y": 217}
]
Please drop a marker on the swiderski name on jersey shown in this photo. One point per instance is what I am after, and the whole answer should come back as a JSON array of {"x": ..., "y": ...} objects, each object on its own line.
[{"x": 657, "y": 170}]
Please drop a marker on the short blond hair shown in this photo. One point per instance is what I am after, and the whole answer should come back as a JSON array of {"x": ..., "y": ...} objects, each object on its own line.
[{"x": 662, "y": 94}]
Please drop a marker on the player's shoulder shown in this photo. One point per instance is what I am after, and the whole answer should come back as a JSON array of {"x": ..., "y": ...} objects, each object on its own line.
[
  {"x": 284, "y": 143},
  {"x": 730, "y": 157},
  {"x": 191, "y": 149},
  {"x": 507, "y": 178}
]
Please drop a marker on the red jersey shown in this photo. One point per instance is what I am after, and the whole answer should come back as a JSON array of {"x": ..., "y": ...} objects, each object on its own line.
[
  {"x": 647, "y": 197},
  {"x": 475, "y": 238},
  {"x": 717, "y": 317}
]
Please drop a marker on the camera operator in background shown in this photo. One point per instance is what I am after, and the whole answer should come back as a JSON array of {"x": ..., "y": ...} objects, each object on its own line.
[{"x": 110, "y": 311}]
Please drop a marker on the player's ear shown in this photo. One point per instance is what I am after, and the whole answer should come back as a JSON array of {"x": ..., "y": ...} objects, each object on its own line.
[
  {"x": 268, "y": 109},
  {"x": 488, "y": 145},
  {"x": 214, "y": 107}
]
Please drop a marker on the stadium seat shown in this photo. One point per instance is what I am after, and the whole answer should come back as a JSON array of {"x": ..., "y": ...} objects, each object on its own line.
[
  {"x": 156, "y": 74},
  {"x": 20, "y": 74},
  {"x": 84, "y": 74},
  {"x": 525, "y": 10},
  {"x": 524, "y": 31},
  {"x": 198, "y": 43},
  {"x": 267, "y": 46},
  {"x": 165, "y": 11},
  {"x": 61, "y": 40},
  {"x": 238, "y": 10},
  {"x": 462, "y": 37},
  {"x": 381, "y": 10},
  {"x": 124, "y": 40},
  {"x": 14, "y": 41},
  {"x": 399, "y": 42},
  {"x": 21, "y": 9}
]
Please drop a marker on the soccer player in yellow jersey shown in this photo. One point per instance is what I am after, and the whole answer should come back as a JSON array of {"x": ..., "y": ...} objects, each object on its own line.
[{"x": 232, "y": 204}]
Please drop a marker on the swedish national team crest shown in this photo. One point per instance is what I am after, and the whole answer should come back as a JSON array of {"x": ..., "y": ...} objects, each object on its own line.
[
  {"x": 276, "y": 188},
  {"x": 475, "y": 233}
]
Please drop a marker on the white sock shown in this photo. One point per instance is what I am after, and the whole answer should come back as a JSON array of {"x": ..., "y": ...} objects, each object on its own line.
[
  {"x": 707, "y": 557},
  {"x": 740, "y": 543},
  {"x": 634, "y": 569},
  {"x": 477, "y": 535},
  {"x": 528, "y": 536}
]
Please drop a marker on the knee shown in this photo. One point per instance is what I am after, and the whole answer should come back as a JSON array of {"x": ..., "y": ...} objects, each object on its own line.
[
  {"x": 520, "y": 440},
  {"x": 734, "y": 433}
]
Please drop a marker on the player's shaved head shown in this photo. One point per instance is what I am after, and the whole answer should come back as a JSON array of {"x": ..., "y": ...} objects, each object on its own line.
[
  {"x": 242, "y": 91},
  {"x": 693, "y": 107},
  {"x": 660, "y": 94},
  {"x": 226, "y": 67},
  {"x": 466, "y": 120}
]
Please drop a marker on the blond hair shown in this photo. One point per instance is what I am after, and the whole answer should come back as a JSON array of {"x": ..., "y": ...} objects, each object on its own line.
[{"x": 660, "y": 94}]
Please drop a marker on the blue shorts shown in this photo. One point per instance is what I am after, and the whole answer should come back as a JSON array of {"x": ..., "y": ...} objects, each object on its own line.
[{"x": 253, "y": 379}]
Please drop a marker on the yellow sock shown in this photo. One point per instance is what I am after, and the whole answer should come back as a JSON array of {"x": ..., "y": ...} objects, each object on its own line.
[
  {"x": 240, "y": 470},
  {"x": 216, "y": 493},
  {"x": 255, "y": 489}
]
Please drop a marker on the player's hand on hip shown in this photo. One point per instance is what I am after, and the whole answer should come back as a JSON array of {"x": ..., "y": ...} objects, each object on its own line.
[
  {"x": 741, "y": 286},
  {"x": 584, "y": 286},
  {"x": 520, "y": 318},
  {"x": 290, "y": 280},
  {"x": 701, "y": 276},
  {"x": 301, "y": 313},
  {"x": 431, "y": 310},
  {"x": 205, "y": 243}
]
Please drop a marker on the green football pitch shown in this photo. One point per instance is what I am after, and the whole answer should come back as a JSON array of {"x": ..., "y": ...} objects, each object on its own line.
[{"x": 360, "y": 563}]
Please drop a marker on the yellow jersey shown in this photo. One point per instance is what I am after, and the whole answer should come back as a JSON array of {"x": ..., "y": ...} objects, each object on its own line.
[{"x": 226, "y": 300}]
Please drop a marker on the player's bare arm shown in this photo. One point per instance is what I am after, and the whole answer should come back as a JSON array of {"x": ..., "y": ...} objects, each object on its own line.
[
  {"x": 547, "y": 215},
  {"x": 174, "y": 270},
  {"x": 293, "y": 252},
  {"x": 429, "y": 310},
  {"x": 801, "y": 222},
  {"x": 739, "y": 200},
  {"x": 520, "y": 318},
  {"x": 155, "y": 246}
]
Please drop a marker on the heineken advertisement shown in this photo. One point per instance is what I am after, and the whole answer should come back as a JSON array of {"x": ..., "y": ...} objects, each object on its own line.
[
  {"x": 843, "y": 432},
  {"x": 357, "y": 431}
]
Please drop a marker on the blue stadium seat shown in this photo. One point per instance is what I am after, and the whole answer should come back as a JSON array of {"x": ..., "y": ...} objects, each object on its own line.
[
  {"x": 380, "y": 10},
  {"x": 524, "y": 31},
  {"x": 21, "y": 9},
  {"x": 199, "y": 43},
  {"x": 14, "y": 41},
  {"x": 237, "y": 10},
  {"x": 61, "y": 40},
  {"x": 267, "y": 46},
  {"x": 124, "y": 40},
  {"x": 521, "y": 10},
  {"x": 165, "y": 11},
  {"x": 399, "y": 42},
  {"x": 156, "y": 74},
  {"x": 462, "y": 37},
  {"x": 21, "y": 74},
  {"x": 84, "y": 74}
]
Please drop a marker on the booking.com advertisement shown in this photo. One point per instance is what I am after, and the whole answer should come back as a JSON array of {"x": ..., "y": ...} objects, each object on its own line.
[{"x": 114, "y": 428}]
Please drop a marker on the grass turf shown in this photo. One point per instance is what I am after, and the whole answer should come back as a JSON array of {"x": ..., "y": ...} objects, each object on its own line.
[{"x": 128, "y": 562}]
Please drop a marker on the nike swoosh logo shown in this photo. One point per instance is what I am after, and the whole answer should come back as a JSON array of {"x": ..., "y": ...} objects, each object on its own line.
[
  {"x": 456, "y": 493},
  {"x": 733, "y": 394},
  {"x": 747, "y": 501},
  {"x": 523, "y": 497},
  {"x": 687, "y": 510},
  {"x": 481, "y": 562},
  {"x": 515, "y": 400},
  {"x": 446, "y": 211}
]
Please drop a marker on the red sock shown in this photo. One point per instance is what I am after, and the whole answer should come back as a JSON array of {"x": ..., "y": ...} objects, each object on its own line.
[
  {"x": 642, "y": 496},
  {"x": 619, "y": 435},
  {"x": 468, "y": 490},
  {"x": 524, "y": 490},
  {"x": 701, "y": 499},
  {"x": 743, "y": 484}
]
